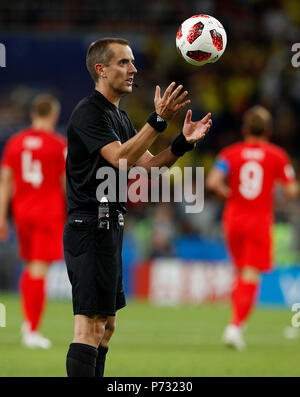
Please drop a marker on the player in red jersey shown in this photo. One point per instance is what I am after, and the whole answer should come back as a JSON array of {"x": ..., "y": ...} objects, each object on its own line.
[
  {"x": 33, "y": 176},
  {"x": 245, "y": 175}
]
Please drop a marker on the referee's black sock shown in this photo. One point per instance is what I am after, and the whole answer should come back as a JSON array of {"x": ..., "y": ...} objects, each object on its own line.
[
  {"x": 102, "y": 350},
  {"x": 81, "y": 360}
]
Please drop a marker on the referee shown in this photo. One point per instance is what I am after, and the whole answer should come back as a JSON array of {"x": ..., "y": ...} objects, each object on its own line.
[{"x": 100, "y": 135}]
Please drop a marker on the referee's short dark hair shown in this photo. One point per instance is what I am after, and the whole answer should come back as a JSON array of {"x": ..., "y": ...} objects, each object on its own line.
[{"x": 100, "y": 52}]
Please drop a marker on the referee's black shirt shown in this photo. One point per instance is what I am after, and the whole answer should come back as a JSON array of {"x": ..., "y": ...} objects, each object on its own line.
[{"x": 94, "y": 123}]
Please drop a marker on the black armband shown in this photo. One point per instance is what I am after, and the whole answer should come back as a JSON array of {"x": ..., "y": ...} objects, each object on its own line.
[
  {"x": 157, "y": 122},
  {"x": 180, "y": 145}
]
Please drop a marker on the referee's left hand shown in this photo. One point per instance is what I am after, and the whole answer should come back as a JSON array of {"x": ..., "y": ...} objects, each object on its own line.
[
  {"x": 171, "y": 102},
  {"x": 195, "y": 130}
]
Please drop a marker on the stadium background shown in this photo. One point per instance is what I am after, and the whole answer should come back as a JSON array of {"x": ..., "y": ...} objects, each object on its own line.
[{"x": 46, "y": 43}]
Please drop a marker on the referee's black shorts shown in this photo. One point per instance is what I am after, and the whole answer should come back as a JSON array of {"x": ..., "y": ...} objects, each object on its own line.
[{"x": 94, "y": 264}]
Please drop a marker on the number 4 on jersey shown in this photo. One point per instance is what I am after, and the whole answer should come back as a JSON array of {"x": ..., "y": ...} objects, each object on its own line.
[{"x": 31, "y": 169}]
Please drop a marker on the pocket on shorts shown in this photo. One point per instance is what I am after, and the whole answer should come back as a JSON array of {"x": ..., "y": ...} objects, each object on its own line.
[{"x": 77, "y": 235}]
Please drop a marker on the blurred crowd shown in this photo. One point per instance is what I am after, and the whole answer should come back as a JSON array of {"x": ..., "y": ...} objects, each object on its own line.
[{"x": 255, "y": 68}]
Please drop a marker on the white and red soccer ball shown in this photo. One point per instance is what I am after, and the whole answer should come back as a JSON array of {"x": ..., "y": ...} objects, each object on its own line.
[{"x": 201, "y": 39}]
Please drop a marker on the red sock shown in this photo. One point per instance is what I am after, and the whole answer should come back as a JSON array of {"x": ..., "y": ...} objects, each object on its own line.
[
  {"x": 33, "y": 297},
  {"x": 243, "y": 300}
]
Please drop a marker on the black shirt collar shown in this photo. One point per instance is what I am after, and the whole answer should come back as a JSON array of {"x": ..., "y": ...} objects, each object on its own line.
[{"x": 100, "y": 98}]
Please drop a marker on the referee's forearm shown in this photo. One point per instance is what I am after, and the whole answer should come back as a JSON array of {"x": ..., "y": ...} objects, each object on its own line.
[
  {"x": 163, "y": 159},
  {"x": 135, "y": 147}
]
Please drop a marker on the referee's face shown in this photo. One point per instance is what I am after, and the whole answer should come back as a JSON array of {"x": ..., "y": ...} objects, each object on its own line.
[{"x": 120, "y": 71}]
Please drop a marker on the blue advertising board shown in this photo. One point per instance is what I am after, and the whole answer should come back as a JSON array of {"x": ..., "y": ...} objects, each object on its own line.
[{"x": 280, "y": 287}]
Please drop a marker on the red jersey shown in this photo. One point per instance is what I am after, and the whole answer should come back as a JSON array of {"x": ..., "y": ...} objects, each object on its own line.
[
  {"x": 252, "y": 170},
  {"x": 37, "y": 159}
]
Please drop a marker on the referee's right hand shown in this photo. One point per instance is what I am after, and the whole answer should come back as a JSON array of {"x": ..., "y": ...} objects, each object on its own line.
[{"x": 171, "y": 102}]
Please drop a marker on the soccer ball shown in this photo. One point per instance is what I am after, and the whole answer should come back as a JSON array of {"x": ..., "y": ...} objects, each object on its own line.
[{"x": 201, "y": 39}]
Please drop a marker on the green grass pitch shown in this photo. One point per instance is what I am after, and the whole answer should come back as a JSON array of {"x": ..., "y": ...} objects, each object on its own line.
[{"x": 158, "y": 341}]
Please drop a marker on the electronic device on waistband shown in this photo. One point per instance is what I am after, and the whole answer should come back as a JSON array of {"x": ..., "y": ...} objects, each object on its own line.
[{"x": 103, "y": 214}]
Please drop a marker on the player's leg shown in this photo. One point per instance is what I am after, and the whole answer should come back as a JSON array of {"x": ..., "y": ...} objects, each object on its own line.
[
  {"x": 33, "y": 287},
  {"x": 35, "y": 291},
  {"x": 243, "y": 301},
  {"x": 43, "y": 246},
  {"x": 24, "y": 286},
  {"x": 235, "y": 243},
  {"x": 232, "y": 335},
  {"x": 23, "y": 229},
  {"x": 103, "y": 346},
  {"x": 255, "y": 259},
  {"x": 83, "y": 351},
  {"x": 244, "y": 294},
  {"x": 32, "y": 282}
]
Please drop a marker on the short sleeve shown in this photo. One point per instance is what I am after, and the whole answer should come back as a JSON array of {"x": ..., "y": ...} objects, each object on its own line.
[
  {"x": 8, "y": 158},
  {"x": 94, "y": 129},
  {"x": 285, "y": 171},
  {"x": 222, "y": 163},
  {"x": 131, "y": 130}
]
